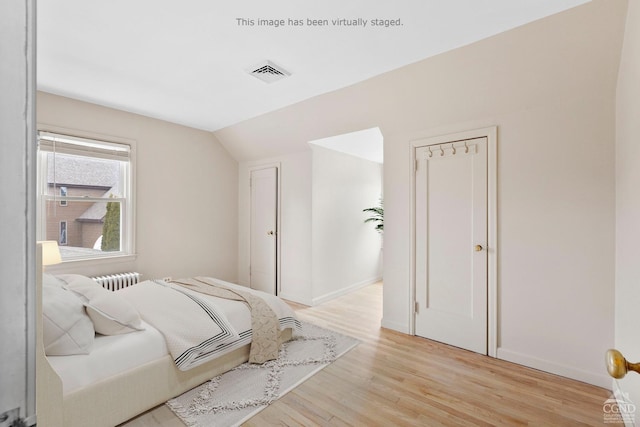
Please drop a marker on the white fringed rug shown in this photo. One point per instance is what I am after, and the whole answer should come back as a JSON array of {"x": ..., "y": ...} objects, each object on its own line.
[{"x": 235, "y": 396}]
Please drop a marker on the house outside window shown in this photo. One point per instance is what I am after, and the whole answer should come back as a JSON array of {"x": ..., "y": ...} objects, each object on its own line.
[{"x": 85, "y": 199}]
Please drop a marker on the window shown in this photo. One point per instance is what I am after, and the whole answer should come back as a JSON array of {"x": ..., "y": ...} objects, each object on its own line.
[
  {"x": 62, "y": 237},
  {"x": 63, "y": 194},
  {"x": 85, "y": 199}
]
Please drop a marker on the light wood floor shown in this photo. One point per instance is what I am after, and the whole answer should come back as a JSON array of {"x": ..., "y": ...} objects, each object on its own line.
[{"x": 392, "y": 379}]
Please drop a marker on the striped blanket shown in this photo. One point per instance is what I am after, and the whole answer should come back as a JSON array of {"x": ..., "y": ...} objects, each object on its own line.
[
  {"x": 199, "y": 327},
  {"x": 264, "y": 322}
]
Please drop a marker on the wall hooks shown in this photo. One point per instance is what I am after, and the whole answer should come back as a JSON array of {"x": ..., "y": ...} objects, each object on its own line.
[
  {"x": 430, "y": 152},
  {"x": 453, "y": 149},
  {"x": 466, "y": 147},
  {"x": 441, "y": 151}
]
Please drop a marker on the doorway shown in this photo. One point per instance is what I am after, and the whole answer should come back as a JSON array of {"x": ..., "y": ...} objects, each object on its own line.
[
  {"x": 454, "y": 240},
  {"x": 346, "y": 180}
]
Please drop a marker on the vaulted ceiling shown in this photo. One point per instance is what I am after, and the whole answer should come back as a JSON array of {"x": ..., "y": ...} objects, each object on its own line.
[{"x": 187, "y": 62}]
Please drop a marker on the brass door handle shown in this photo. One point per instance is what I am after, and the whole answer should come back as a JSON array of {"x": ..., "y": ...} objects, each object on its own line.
[
  {"x": 478, "y": 248},
  {"x": 617, "y": 365}
]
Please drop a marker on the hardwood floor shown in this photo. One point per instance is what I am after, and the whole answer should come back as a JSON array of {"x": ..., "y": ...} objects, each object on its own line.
[{"x": 392, "y": 379}]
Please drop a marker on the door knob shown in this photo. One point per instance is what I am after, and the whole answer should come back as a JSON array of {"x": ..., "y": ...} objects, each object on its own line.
[
  {"x": 270, "y": 233},
  {"x": 478, "y": 248},
  {"x": 617, "y": 365}
]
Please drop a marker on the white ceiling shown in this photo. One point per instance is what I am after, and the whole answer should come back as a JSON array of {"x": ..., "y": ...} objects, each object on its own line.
[{"x": 186, "y": 61}]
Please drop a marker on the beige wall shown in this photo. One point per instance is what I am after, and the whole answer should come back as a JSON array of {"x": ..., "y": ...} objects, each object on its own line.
[
  {"x": 550, "y": 88},
  {"x": 295, "y": 224},
  {"x": 186, "y": 191},
  {"x": 314, "y": 230},
  {"x": 628, "y": 202}
]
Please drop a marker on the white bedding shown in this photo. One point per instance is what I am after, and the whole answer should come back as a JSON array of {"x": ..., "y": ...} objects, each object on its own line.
[
  {"x": 198, "y": 332},
  {"x": 116, "y": 354},
  {"x": 111, "y": 355}
]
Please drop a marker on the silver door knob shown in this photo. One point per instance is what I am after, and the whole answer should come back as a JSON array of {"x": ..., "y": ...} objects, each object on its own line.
[{"x": 270, "y": 233}]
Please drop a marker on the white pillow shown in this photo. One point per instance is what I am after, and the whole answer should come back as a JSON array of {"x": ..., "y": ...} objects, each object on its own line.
[
  {"x": 66, "y": 328},
  {"x": 51, "y": 280},
  {"x": 111, "y": 314}
]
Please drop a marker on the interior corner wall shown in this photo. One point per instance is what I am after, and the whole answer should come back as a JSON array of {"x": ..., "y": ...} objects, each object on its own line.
[
  {"x": 185, "y": 189},
  {"x": 627, "y": 320},
  {"x": 295, "y": 223},
  {"x": 346, "y": 252},
  {"x": 549, "y": 87}
]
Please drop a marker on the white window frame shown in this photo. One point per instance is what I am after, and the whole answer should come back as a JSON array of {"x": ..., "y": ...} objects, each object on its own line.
[{"x": 93, "y": 147}]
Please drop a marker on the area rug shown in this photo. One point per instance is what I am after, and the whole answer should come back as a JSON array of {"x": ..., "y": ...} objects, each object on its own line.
[{"x": 235, "y": 396}]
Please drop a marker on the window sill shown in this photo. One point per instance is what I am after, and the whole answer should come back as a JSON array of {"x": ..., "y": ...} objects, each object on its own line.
[{"x": 85, "y": 263}]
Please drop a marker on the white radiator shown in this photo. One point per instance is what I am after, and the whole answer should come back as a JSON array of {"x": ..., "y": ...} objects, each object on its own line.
[{"x": 113, "y": 282}]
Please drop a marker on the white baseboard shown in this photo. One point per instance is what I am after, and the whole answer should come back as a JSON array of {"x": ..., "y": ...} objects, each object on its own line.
[
  {"x": 622, "y": 401},
  {"x": 395, "y": 326},
  {"x": 600, "y": 380},
  {"x": 344, "y": 291},
  {"x": 295, "y": 298}
]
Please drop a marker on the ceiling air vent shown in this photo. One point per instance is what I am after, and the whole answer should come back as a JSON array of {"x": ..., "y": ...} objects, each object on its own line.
[{"x": 269, "y": 72}]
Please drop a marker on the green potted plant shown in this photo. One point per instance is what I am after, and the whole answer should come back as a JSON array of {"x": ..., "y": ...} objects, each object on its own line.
[{"x": 377, "y": 216}]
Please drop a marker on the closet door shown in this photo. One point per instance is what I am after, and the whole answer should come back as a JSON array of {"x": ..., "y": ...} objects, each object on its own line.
[
  {"x": 451, "y": 241},
  {"x": 264, "y": 232}
]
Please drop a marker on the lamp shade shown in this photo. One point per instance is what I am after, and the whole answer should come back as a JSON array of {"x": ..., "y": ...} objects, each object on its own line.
[{"x": 50, "y": 252}]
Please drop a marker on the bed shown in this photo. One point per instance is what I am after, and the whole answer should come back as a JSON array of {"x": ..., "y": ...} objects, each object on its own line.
[{"x": 126, "y": 373}]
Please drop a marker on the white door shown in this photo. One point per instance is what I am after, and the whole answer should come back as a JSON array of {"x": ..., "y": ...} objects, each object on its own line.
[
  {"x": 18, "y": 261},
  {"x": 264, "y": 232},
  {"x": 451, "y": 242}
]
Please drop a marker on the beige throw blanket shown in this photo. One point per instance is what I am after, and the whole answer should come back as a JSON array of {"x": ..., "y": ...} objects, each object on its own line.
[{"x": 264, "y": 321}]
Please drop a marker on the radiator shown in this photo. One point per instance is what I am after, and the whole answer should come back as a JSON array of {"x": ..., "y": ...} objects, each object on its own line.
[{"x": 113, "y": 282}]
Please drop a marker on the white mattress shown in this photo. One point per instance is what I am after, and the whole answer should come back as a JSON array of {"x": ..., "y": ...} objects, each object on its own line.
[{"x": 110, "y": 355}]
